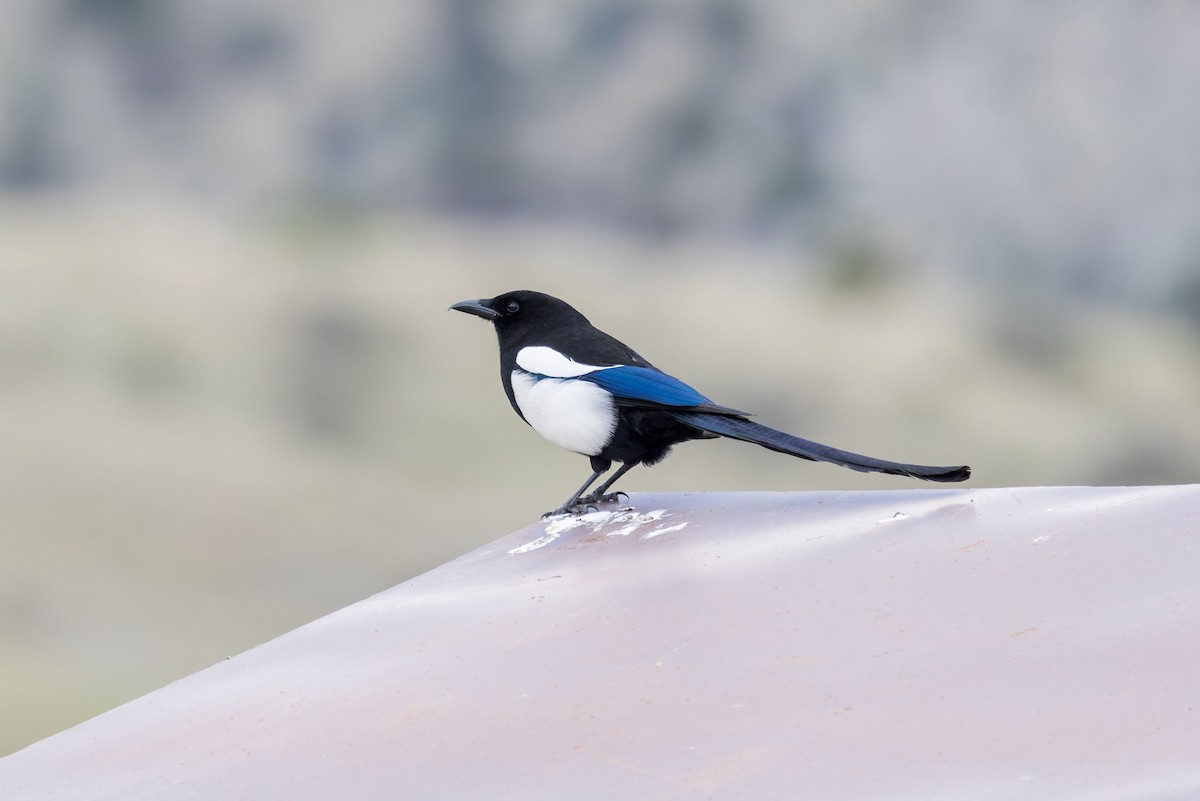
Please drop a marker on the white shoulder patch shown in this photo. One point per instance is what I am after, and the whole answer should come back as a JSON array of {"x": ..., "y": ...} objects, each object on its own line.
[{"x": 541, "y": 360}]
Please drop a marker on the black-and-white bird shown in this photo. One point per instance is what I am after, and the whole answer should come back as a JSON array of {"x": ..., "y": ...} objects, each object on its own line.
[{"x": 589, "y": 393}]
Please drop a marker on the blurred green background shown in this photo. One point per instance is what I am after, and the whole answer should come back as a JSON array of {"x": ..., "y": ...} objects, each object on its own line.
[{"x": 231, "y": 397}]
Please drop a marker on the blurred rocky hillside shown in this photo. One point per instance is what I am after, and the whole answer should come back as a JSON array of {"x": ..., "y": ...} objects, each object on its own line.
[{"x": 1043, "y": 146}]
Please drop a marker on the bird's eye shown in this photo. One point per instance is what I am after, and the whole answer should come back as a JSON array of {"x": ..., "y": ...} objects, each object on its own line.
[{"x": 513, "y": 307}]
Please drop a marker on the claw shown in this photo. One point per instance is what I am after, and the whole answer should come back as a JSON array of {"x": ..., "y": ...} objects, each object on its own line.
[
  {"x": 591, "y": 500},
  {"x": 574, "y": 509},
  {"x": 586, "y": 504}
]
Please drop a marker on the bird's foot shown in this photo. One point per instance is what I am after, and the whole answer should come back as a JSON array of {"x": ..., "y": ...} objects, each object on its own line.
[
  {"x": 593, "y": 499},
  {"x": 584, "y": 505},
  {"x": 566, "y": 511}
]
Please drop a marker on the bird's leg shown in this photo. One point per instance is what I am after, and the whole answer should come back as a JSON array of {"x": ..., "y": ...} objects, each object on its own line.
[
  {"x": 598, "y": 495},
  {"x": 572, "y": 504}
]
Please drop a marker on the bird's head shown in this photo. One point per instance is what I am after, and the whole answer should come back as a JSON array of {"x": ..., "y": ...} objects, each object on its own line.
[{"x": 522, "y": 312}]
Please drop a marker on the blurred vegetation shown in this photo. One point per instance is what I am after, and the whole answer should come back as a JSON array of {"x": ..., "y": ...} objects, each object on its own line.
[
  {"x": 231, "y": 399},
  {"x": 1043, "y": 142}
]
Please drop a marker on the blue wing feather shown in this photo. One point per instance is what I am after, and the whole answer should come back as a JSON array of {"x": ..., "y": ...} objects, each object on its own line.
[{"x": 644, "y": 386}]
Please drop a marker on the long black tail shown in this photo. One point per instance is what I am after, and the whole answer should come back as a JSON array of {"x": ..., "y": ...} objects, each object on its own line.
[{"x": 747, "y": 431}]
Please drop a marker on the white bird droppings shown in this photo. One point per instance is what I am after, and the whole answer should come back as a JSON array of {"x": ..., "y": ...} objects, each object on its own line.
[{"x": 626, "y": 522}]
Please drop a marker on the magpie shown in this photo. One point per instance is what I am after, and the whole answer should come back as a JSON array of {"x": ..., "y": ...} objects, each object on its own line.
[{"x": 590, "y": 393}]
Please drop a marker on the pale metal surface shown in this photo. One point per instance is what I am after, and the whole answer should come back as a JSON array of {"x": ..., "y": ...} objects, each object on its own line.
[{"x": 919, "y": 644}]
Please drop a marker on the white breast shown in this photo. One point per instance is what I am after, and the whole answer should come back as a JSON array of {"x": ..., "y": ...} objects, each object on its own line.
[{"x": 576, "y": 415}]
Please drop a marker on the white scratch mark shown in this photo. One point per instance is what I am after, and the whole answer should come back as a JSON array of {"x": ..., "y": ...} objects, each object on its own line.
[{"x": 893, "y": 518}]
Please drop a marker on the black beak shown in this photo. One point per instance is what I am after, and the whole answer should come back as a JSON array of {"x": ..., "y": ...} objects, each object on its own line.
[{"x": 479, "y": 308}]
